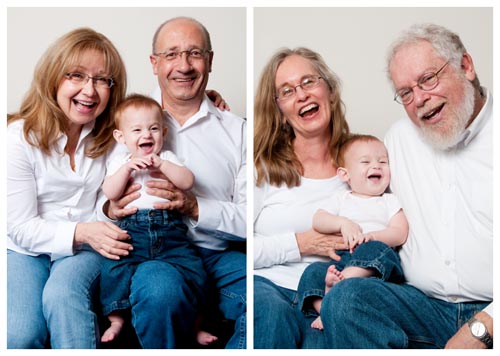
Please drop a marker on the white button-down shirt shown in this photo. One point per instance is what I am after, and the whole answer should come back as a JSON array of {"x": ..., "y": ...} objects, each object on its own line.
[
  {"x": 447, "y": 197},
  {"x": 212, "y": 144},
  {"x": 45, "y": 197}
]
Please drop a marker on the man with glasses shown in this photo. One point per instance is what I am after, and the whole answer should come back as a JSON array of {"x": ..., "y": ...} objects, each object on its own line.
[
  {"x": 212, "y": 144},
  {"x": 442, "y": 170}
]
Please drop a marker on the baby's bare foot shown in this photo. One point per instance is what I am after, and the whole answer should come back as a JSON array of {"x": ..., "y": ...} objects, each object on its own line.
[
  {"x": 333, "y": 276},
  {"x": 205, "y": 338},
  {"x": 317, "y": 323},
  {"x": 112, "y": 332}
]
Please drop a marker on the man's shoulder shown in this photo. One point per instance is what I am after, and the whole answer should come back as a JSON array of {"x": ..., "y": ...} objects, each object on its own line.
[
  {"x": 401, "y": 129},
  {"x": 230, "y": 121},
  {"x": 229, "y": 116}
]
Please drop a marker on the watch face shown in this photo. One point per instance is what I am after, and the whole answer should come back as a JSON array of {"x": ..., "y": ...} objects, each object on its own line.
[{"x": 478, "y": 329}]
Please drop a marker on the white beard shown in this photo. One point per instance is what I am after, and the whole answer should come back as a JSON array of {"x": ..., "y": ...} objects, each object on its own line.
[{"x": 446, "y": 133}]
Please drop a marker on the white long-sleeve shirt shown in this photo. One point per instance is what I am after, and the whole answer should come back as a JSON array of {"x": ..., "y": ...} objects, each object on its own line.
[
  {"x": 212, "y": 144},
  {"x": 280, "y": 213},
  {"x": 447, "y": 197},
  {"x": 45, "y": 198}
]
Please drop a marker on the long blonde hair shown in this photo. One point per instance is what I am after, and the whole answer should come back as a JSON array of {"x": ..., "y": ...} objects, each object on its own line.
[
  {"x": 44, "y": 119},
  {"x": 274, "y": 157}
]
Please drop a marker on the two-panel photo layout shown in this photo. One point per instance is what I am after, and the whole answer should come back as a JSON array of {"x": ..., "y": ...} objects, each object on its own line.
[{"x": 249, "y": 178}]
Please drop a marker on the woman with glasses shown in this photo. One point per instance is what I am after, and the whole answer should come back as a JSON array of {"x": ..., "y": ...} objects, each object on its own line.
[
  {"x": 299, "y": 126},
  {"x": 57, "y": 143}
]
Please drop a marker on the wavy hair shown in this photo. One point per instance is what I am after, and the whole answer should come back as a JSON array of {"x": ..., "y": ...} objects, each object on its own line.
[
  {"x": 44, "y": 119},
  {"x": 274, "y": 157}
]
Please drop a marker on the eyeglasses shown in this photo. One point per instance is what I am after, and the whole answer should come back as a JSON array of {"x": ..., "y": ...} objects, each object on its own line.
[
  {"x": 78, "y": 78},
  {"x": 308, "y": 83},
  {"x": 427, "y": 81},
  {"x": 195, "y": 54}
]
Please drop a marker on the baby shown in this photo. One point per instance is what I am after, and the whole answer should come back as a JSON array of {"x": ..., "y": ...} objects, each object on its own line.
[{"x": 370, "y": 221}]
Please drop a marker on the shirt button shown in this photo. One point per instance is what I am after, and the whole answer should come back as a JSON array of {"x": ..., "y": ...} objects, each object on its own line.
[{"x": 447, "y": 262}]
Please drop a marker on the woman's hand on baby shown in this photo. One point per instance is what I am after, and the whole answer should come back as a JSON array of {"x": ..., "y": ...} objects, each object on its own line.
[
  {"x": 104, "y": 237},
  {"x": 312, "y": 242}
]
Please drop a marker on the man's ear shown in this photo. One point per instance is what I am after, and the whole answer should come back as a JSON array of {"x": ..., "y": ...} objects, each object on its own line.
[
  {"x": 210, "y": 61},
  {"x": 154, "y": 63},
  {"x": 468, "y": 67},
  {"x": 343, "y": 174},
  {"x": 118, "y": 135}
]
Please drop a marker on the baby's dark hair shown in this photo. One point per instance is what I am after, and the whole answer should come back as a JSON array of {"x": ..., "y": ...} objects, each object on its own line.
[
  {"x": 136, "y": 101},
  {"x": 352, "y": 138}
]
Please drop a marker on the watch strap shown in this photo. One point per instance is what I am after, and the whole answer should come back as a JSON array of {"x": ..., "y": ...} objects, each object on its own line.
[{"x": 486, "y": 339}]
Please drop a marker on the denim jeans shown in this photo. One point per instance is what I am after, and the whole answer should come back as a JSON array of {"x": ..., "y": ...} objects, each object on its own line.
[
  {"x": 370, "y": 313},
  {"x": 163, "y": 264},
  {"x": 383, "y": 260},
  {"x": 227, "y": 269},
  {"x": 52, "y": 298},
  {"x": 156, "y": 235},
  {"x": 278, "y": 321}
]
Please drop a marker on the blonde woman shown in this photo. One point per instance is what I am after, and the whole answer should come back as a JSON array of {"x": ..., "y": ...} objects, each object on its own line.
[{"x": 57, "y": 143}]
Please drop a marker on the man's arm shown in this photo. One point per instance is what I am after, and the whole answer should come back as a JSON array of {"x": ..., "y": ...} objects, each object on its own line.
[{"x": 463, "y": 339}]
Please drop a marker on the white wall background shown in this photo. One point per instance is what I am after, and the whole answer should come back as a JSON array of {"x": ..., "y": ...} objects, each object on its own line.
[
  {"x": 30, "y": 31},
  {"x": 353, "y": 42}
]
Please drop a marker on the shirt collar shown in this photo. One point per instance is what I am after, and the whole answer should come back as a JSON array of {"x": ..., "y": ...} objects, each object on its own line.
[
  {"x": 207, "y": 109},
  {"x": 482, "y": 117}
]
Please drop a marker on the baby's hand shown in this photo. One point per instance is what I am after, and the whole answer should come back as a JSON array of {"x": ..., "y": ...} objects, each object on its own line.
[
  {"x": 138, "y": 163},
  {"x": 351, "y": 232},
  {"x": 362, "y": 239},
  {"x": 156, "y": 161}
]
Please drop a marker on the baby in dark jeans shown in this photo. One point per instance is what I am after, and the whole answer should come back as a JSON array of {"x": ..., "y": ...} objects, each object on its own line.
[
  {"x": 371, "y": 222},
  {"x": 156, "y": 234}
]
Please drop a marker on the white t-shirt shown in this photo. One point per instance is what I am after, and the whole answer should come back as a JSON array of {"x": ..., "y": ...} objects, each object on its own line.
[
  {"x": 372, "y": 214},
  {"x": 279, "y": 213},
  {"x": 145, "y": 201}
]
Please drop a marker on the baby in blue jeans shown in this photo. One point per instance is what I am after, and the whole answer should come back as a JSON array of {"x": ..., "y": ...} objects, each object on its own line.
[
  {"x": 156, "y": 234},
  {"x": 371, "y": 222}
]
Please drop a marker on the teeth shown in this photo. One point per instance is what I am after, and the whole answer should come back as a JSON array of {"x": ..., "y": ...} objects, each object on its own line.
[
  {"x": 429, "y": 114},
  {"x": 85, "y": 103},
  {"x": 307, "y": 108}
]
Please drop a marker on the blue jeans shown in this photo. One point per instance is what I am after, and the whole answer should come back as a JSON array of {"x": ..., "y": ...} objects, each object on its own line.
[
  {"x": 374, "y": 255},
  {"x": 156, "y": 235},
  {"x": 278, "y": 321},
  {"x": 52, "y": 298},
  {"x": 370, "y": 313},
  {"x": 162, "y": 280},
  {"x": 227, "y": 270}
]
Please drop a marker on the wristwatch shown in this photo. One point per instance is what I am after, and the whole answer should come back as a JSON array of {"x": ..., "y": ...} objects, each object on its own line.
[{"x": 479, "y": 331}]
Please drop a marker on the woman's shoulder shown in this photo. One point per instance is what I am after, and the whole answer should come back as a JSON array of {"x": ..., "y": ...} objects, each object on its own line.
[
  {"x": 15, "y": 130},
  {"x": 15, "y": 125}
]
